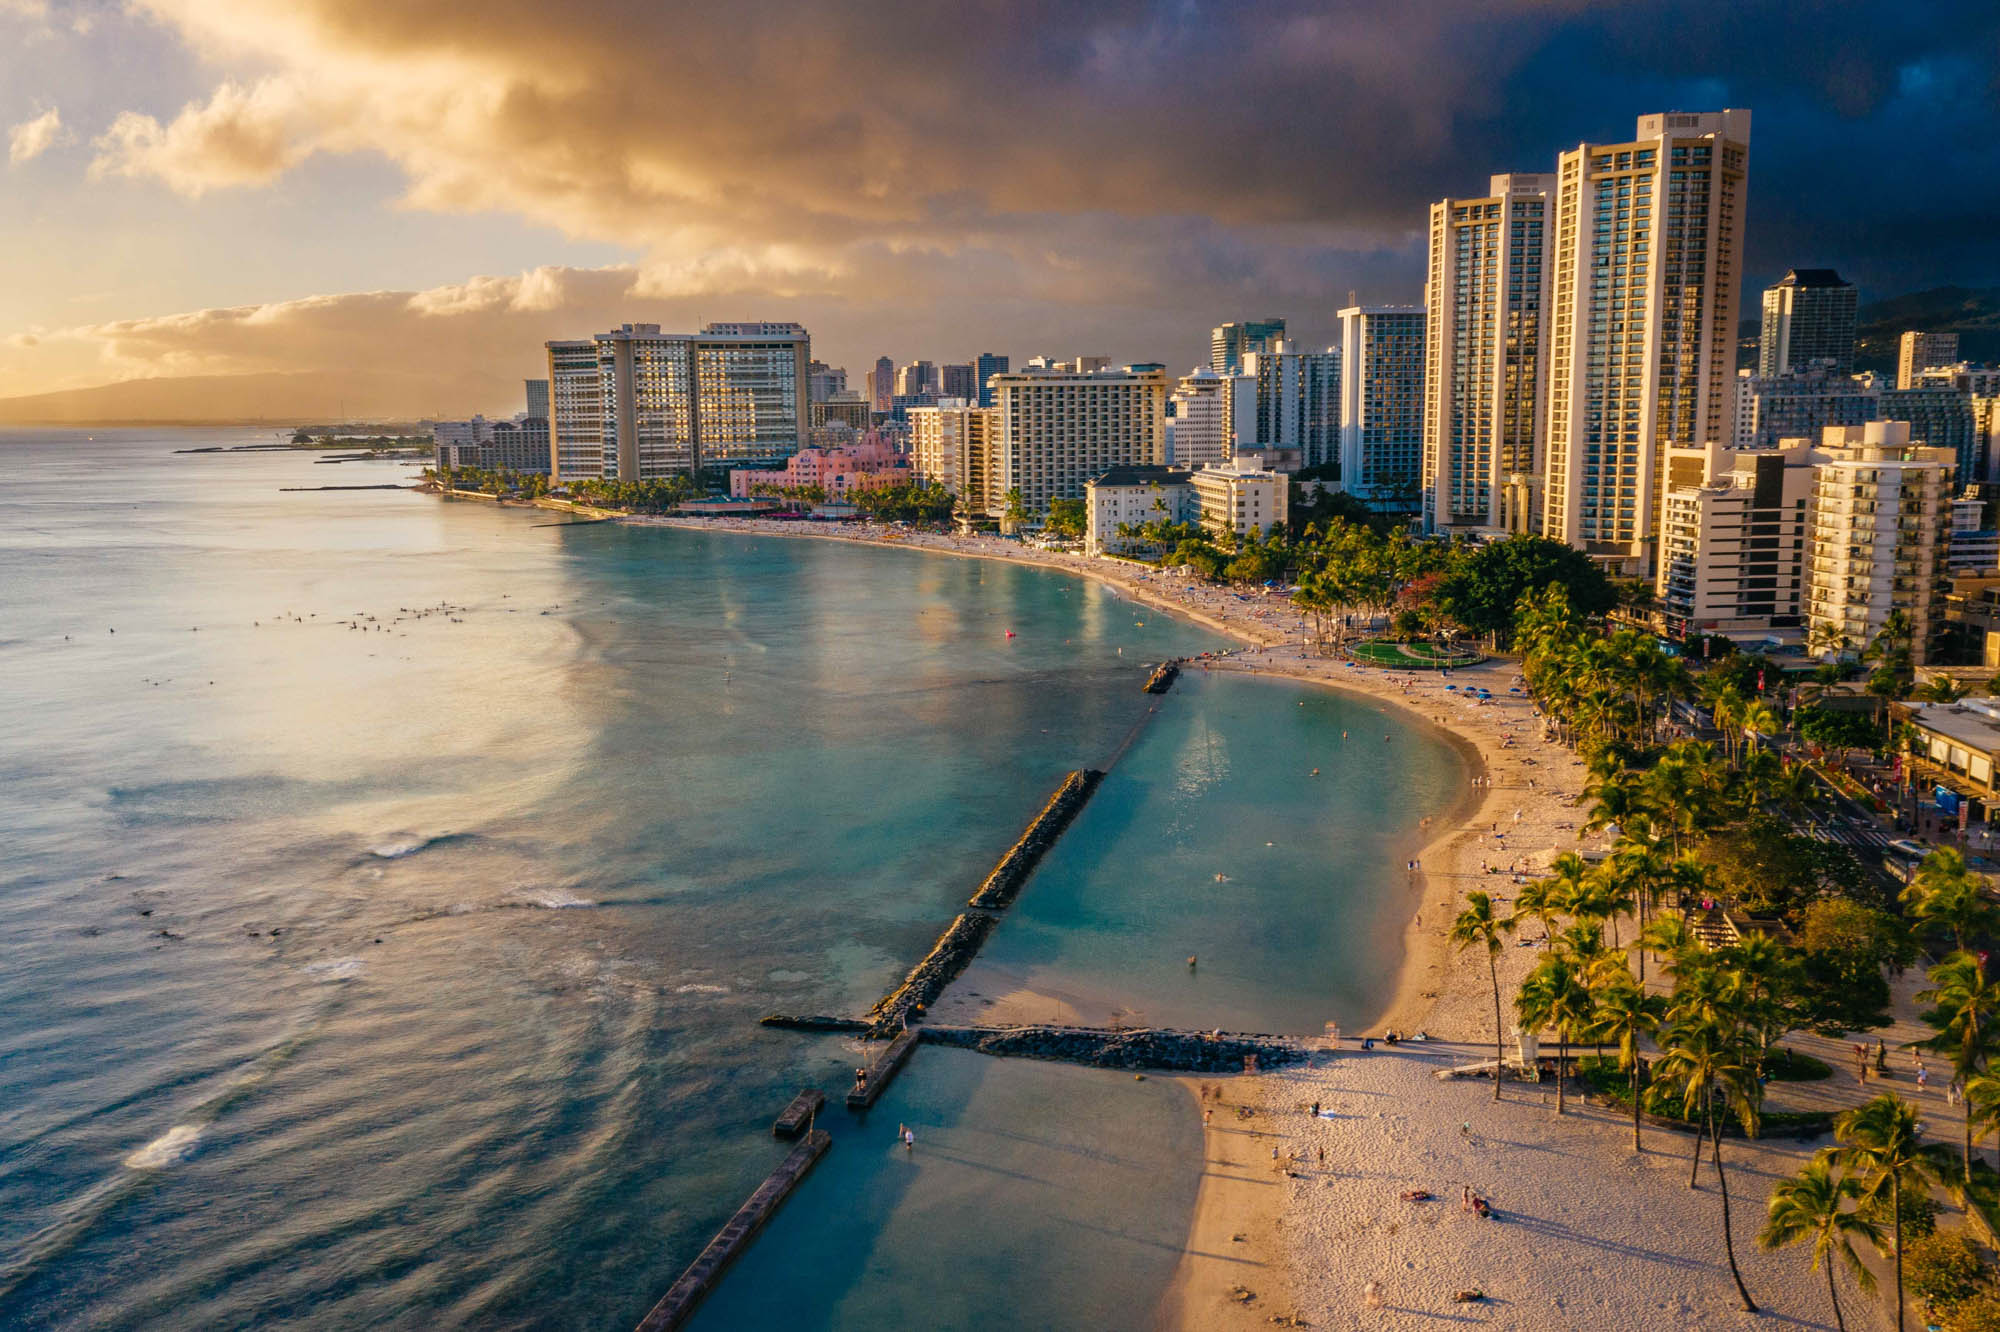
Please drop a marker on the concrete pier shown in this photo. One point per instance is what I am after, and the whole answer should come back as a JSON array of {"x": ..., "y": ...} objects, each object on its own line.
[
  {"x": 794, "y": 1118},
  {"x": 681, "y": 1298},
  {"x": 882, "y": 1071}
]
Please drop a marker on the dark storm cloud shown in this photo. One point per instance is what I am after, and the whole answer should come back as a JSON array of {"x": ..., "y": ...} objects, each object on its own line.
[{"x": 1178, "y": 162}]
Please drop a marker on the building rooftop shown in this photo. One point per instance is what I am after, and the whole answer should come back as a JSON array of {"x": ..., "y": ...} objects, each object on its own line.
[
  {"x": 1813, "y": 277},
  {"x": 1974, "y": 723},
  {"x": 1142, "y": 475}
]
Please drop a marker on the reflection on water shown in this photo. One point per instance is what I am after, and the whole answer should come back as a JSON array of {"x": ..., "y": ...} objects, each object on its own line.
[{"x": 391, "y": 888}]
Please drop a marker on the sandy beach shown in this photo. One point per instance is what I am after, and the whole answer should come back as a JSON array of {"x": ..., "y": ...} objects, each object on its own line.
[{"x": 1591, "y": 1235}]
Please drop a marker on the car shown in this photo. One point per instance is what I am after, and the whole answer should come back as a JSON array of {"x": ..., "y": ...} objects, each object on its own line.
[{"x": 1905, "y": 847}]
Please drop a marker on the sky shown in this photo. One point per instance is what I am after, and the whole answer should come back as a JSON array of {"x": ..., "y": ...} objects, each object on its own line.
[{"x": 386, "y": 206}]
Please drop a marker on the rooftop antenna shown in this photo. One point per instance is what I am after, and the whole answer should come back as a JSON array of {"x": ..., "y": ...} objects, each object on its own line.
[{"x": 1350, "y": 297}]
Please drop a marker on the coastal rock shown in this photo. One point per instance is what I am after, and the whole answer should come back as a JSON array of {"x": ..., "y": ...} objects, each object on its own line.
[
  {"x": 1141, "y": 1048},
  {"x": 1004, "y": 883}
]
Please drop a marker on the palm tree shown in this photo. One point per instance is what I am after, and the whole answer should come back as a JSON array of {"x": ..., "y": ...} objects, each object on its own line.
[
  {"x": 1944, "y": 892},
  {"x": 1626, "y": 1013},
  {"x": 1618, "y": 799},
  {"x": 1823, "y": 640},
  {"x": 1941, "y": 689},
  {"x": 1880, "y": 1143},
  {"x": 1478, "y": 925},
  {"x": 1669, "y": 939},
  {"x": 1642, "y": 867},
  {"x": 1967, "y": 1005},
  {"x": 1757, "y": 719},
  {"x": 1705, "y": 1059},
  {"x": 1542, "y": 899},
  {"x": 1813, "y": 1205},
  {"x": 1553, "y": 995}
]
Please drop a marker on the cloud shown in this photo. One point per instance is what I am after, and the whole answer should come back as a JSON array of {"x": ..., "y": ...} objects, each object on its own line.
[
  {"x": 240, "y": 136},
  {"x": 31, "y": 138},
  {"x": 1023, "y": 174}
]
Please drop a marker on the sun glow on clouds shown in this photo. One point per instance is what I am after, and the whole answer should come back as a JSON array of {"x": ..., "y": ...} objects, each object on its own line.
[
  {"x": 31, "y": 138},
  {"x": 1025, "y": 174}
]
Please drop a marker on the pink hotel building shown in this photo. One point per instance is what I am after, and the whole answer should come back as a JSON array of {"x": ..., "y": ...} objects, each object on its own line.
[{"x": 866, "y": 464}]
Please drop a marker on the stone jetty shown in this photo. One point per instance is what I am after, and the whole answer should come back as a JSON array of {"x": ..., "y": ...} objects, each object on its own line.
[
  {"x": 1004, "y": 883},
  {"x": 1163, "y": 677},
  {"x": 679, "y": 1302},
  {"x": 1139, "y": 1048},
  {"x": 926, "y": 981}
]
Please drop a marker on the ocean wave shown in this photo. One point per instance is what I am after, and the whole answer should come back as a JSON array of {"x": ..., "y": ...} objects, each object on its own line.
[
  {"x": 171, "y": 1148},
  {"x": 558, "y": 900},
  {"x": 398, "y": 847},
  {"x": 701, "y": 989},
  {"x": 402, "y": 845},
  {"x": 337, "y": 969}
]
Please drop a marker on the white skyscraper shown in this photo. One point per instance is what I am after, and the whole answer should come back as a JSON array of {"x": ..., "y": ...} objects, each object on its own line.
[
  {"x": 1647, "y": 259},
  {"x": 1381, "y": 400},
  {"x": 1483, "y": 364},
  {"x": 1196, "y": 427}
]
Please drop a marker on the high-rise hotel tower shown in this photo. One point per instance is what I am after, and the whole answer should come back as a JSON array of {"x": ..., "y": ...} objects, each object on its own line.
[
  {"x": 1646, "y": 261},
  {"x": 636, "y": 404},
  {"x": 1485, "y": 332}
]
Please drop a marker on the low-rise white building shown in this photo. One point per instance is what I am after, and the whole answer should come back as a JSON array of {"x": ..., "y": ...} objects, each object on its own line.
[
  {"x": 1127, "y": 498},
  {"x": 1240, "y": 499},
  {"x": 1233, "y": 499}
]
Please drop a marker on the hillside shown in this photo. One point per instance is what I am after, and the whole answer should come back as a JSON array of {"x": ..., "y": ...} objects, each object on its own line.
[{"x": 258, "y": 399}]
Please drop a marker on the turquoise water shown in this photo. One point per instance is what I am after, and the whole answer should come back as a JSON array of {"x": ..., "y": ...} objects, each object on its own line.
[
  {"x": 1304, "y": 925},
  {"x": 391, "y": 888}
]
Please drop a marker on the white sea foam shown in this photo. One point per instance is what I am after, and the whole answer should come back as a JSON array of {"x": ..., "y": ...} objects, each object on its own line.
[
  {"x": 557, "y": 900},
  {"x": 701, "y": 989},
  {"x": 171, "y": 1148},
  {"x": 336, "y": 969}
]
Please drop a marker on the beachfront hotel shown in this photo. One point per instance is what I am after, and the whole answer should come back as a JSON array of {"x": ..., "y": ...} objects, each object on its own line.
[
  {"x": 638, "y": 404},
  {"x": 1056, "y": 428},
  {"x": 1233, "y": 497},
  {"x": 951, "y": 444},
  {"x": 1646, "y": 260},
  {"x": 1485, "y": 300}
]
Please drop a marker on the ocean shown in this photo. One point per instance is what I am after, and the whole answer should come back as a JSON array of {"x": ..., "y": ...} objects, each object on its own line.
[{"x": 390, "y": 889}]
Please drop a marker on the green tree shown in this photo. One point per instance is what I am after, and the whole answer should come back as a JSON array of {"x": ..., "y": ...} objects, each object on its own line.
[
  {"x": 1554, "y": 995},
  {"x": 1626, "y": 1014},
  {"x": 1704, "y": 1058},
  {"x": 1965, "y": 1007},
  {"x": 1067, "y": 517},
  {"x": 1818, "y": 1206},
  {"x": 1478, "y": 926},
  {"x": 1484, "y": 589},
  {"x": 1880, "y": 1143},
  {"x": 1945, "y": 894}
]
